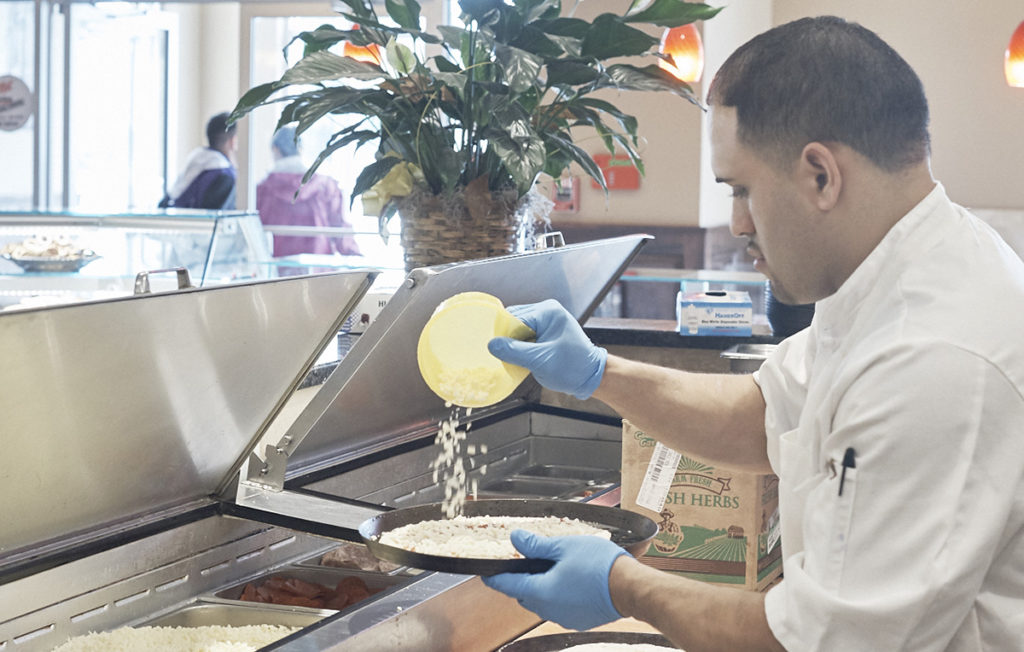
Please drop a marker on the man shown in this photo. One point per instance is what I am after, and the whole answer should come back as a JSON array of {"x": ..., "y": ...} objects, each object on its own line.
[
  {"x": 208, "y": 180},
  {"x": 894, "y": 421},
  {"x": 282, "y": 198}
]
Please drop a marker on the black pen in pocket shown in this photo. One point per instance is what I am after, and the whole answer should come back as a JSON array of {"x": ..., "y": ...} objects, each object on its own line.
[{"x": 849, "y": 462}]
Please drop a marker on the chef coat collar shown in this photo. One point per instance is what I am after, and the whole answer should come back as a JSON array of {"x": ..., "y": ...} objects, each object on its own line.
[{"x": 833, "y": 313}]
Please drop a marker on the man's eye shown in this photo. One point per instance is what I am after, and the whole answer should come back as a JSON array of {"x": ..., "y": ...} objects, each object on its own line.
[{"x": 738, "y": 192}]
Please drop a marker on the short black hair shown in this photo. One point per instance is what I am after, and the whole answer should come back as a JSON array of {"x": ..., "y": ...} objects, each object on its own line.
[
  {"x": 825, "y": 79},
  {"x": 218, "y": 130}
]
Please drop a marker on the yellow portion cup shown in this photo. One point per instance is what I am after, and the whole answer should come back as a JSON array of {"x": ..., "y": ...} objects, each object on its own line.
[{"x": 452, "y": 350}]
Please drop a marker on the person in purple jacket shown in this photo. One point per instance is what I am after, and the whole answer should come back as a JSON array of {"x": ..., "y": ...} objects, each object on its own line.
[
  {"x": 208, "y": 180},
  {"x": 282, "y": 199}
]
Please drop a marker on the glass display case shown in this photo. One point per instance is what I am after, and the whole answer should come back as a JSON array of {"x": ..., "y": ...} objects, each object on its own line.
[{"x": 59, "y": 257}]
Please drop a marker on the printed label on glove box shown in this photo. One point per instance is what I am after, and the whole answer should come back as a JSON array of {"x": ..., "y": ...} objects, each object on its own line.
[{"x": 714, "y": 313}]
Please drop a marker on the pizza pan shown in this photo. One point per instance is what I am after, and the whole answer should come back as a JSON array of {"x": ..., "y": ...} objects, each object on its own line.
[
  {"x": 555, "y": 642},
  {"x": 630, "y": 530}
]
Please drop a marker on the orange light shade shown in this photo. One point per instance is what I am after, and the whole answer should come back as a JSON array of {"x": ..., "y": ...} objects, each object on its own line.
[
  {"x": 1013, "y": 66},
  {"x": 367, "y": 54},
  {"x": 683, "y": 44}
]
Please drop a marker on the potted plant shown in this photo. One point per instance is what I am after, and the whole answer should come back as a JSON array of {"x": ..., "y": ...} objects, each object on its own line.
[{"x": 462, "y": 135}]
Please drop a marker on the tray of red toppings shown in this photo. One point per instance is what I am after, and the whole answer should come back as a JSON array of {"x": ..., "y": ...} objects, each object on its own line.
[{"x": 314, "y": 588}]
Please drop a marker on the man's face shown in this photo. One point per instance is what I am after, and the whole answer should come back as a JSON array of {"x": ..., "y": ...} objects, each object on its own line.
[{"x": 767, "y": 210}]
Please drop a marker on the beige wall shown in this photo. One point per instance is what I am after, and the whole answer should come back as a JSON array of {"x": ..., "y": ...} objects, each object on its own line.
[
  {"x": 670, "y": 131},
  {"x": 956, "y": 47},
  {"x": 977, "y": 121}
]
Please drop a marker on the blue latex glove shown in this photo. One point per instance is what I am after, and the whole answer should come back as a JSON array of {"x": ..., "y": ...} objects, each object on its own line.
[
  {"x": 573, "y": 592},
  {"x": 561, "y": 358}
]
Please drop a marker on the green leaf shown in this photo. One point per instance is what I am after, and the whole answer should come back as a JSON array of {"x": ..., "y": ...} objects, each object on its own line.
[
  {"x": 508, "y": 25},
  {"x": 571, "y": 46},
  {"x": 453, "y": 36},
  {"x": 449, "y": 166},
  {"x": 456, "y": 81},
  {"x": 626, "y": 121},
  {"x": 444, "y": 64},
  {"x": 373, "y": 173},
  {"x": 313, "y": 106},
  {"x": 529, "y": 100},
  {"x": 649, "y": 78},
  {"x": 404, "y": 12},
  {"x": 324, "y": 66},
  {"x": 532, "y": 10},
  {"x": 482, "y": 11},
  {"x": 556, "y": 162},
  {"x": 609, "y": 37},
  {"x": 672, "y": 13},
  {"x": 627, "y": 146},
  {"x": 353, "y": 135},
  {"x": 400, "y": 57},
  {"x": 572, "y": 27},
  {"x": 521, "y": 67},
  {"x": 320, "y": 38},
  {"x": 254, "y": 97},
  {"x": 570, "y": 72},
  {"x": 606, "y": 134},
  {"x": 581, "y": 157},
  {"x": 523, "y": 159},
  {"x": 361, "y": 8},
  {"x": 537, "y": 42}
]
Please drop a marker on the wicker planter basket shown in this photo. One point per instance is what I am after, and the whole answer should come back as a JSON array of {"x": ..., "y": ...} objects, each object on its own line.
[{"x": 438, "y": 230}]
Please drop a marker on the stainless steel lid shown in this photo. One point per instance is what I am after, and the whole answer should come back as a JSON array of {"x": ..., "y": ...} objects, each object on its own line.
[
  {"x": 115, "y": 412},
  {"x": 377, "y": 398}
]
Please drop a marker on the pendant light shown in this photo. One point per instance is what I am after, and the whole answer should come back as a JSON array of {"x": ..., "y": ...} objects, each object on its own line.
[
  {"x": 365, "y": 53},
  {"x": 1014, "y": 63},
  {"x": 684, "y": 46}
]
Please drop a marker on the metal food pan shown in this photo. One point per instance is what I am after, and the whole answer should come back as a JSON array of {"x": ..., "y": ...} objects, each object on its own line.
[
  {"x": 532, "y": 487},
  {"x": 526, "y": 486},
  {"x": 204, "y": 613},
  {"x": 325, "y": 575},
  {"x": 586, "y": 473},
  {"x": 360, "y": 549}
]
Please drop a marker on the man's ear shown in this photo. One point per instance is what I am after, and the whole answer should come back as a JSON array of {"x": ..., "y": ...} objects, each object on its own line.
[{"x": 820, "y": 175}]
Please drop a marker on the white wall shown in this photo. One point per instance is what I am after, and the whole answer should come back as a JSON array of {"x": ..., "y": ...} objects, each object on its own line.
[
  {"x": 738, "y": 23},
  {"x": 208, "y": 65}
]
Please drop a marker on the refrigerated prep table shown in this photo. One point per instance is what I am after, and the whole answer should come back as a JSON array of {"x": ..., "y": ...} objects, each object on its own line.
[{"x": 163, "y": 450}]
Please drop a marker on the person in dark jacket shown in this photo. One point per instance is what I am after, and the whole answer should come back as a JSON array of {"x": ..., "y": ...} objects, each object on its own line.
[
  {"x": 282, "y": 199},
  {"x": 209, "y": 178}
]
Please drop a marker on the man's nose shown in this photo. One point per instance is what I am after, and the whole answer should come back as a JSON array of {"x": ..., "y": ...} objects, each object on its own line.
[{"x": 740, "y": 224}]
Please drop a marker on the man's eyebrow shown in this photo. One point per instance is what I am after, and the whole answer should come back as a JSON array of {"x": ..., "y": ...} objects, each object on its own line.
[{"x": 723, "y": 180}]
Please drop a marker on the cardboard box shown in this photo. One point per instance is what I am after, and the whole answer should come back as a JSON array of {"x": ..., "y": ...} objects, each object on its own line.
[
  {"x": 714, "y": 313},
  {"x": 717, "y": 525}
]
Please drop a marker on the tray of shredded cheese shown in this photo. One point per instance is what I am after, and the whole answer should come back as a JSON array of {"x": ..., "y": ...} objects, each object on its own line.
[{"x": 477, "y": 541}]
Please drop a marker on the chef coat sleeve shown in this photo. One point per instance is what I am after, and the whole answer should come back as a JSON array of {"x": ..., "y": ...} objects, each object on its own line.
[
  {"x": 783, "y": 379},
  {"x": 896, "y": 560}
]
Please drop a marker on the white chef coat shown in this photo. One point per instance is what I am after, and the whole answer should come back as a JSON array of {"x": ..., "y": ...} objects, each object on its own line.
[{"x": 917, "y": 364}]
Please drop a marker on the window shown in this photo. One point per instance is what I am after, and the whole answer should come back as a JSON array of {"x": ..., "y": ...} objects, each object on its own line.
[
  {"x": 269, "y": 34},
  {"x": 97, "y": 140}
]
